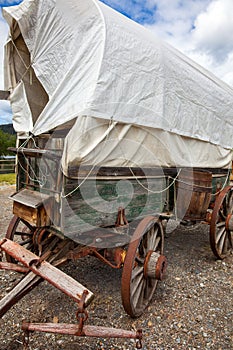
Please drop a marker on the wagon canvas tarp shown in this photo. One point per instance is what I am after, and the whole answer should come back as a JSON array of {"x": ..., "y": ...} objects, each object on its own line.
[{"x": 80, "y": 62}]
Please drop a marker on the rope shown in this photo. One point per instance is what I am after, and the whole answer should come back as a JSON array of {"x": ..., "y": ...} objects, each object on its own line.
[
  {"x": 22, "y": 60},
  {"x": 156, "y": 192},
  {"x": 41, "y": 181},
  {"x": 76, "y": 188},
  {"x": 112, "y": 124}
]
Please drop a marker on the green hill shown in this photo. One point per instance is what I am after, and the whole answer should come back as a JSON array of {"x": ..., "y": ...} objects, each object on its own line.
[
  {"x": 7, "y": 139},
  {"x": 8, "y": 128}
]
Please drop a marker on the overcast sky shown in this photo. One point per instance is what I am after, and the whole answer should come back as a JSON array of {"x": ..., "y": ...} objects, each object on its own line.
[{"x": 202, "y": 29}]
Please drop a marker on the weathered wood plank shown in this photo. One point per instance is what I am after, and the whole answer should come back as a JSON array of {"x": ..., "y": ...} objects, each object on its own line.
[
  {"x": 33, "y": 199},
  {"x": 73, "y": 329},
  {"x": 77, "y": 172},
  {"x": 29, "y": 282},
  {"x": 50, "y": 273}
]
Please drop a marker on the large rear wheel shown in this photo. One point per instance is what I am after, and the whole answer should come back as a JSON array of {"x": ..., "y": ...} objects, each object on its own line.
[{"x": 221, "y": 225}]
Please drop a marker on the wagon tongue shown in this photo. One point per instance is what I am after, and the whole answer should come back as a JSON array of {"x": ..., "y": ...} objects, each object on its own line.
[{"x": 38, "y": 270}]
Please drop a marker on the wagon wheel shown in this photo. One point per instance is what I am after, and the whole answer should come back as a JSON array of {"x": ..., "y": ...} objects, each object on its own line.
[
  {"x": 221, "y": 225},
  {"x": 21, "y": 232},
  {"x": 144, "y": 265}
]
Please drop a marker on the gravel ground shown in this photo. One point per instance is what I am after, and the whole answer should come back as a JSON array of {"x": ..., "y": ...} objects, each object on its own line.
[{"x": 192, "y": 308}]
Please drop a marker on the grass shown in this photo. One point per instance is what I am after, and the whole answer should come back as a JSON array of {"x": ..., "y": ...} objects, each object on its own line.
[{"x": 7, "y": 179}]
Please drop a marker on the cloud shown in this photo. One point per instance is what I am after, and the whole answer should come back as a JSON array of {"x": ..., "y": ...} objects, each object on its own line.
[
  {"x": 201, "y": 29},
  {"x": 213, "y": 30},
  {"x": 138, "y": 10},
  {"x": 5, "y": 112},
  {"x": 6, "y": 3},
  {"x": 174, "y": 19}
]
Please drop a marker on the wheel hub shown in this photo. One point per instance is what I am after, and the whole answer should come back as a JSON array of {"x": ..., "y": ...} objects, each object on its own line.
[{"x": 155, "y": 265}]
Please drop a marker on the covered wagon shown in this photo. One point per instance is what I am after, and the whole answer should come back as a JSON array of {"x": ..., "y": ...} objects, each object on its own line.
[{"x": 117, "y": 133}]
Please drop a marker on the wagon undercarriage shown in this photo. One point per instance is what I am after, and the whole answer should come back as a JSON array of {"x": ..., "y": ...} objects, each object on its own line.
[{"x": 38, "y": 251}]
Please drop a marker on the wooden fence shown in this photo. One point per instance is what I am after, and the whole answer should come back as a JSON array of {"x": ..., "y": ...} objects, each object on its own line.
[{"x": 7, "y": 166}]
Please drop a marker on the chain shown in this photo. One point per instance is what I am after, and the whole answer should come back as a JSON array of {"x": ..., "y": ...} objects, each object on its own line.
[
  {"x": 81, "y": 314},
  {"x": 139, "y": 339},
  {"x": 26, "y": 340}
]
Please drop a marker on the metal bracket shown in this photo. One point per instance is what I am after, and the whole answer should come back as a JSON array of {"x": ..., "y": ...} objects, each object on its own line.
[{"x": 121, "y": 218}]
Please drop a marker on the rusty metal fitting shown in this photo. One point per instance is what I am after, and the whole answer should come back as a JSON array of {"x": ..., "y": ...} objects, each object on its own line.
[
  {"x": 117, "y": 255},
  {"x": 123, "y": 256},
  {"x": 209, "y": 216},
  {"x": 155, "y": 265},
  {"x": 121, "y": 218},
  {"x": 161, "y": 267},
  {"x": 37, "y": 262}
]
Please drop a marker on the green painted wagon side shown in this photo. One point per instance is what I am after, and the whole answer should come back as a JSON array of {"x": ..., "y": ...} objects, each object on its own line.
[{"x": 97, "y": 201}]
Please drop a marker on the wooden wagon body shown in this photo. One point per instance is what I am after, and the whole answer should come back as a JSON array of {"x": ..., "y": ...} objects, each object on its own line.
[{"x": 95, "y": 199}]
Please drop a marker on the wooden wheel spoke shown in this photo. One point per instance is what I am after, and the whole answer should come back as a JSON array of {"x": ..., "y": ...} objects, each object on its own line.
[
  {"x": 137, "y": 271},
  {"x": 148, "y": 288},
  {"x": 220, "y": 233},
  {"x": 222, "y": 241},
  {"x": 138, "y": 295},
  {"x": 30, "y": 227},
  {"x": 18, "y": 233},
  {"x": 153, "y": 240},
  {"x": 25, "y": 242},
  {"x": 143, "y": 250},
  {"x": 230, "y": 238},
  {"x": 139, "y": 260},
  {"x": 226, "y": 243},
  {"x": 158, "y": 240},
  {"x": 136, "y": 285},
  {"x": 220, "y": 224}
]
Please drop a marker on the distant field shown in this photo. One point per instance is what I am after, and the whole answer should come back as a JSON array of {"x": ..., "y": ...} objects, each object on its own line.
[{"x": 7, "y": 179}]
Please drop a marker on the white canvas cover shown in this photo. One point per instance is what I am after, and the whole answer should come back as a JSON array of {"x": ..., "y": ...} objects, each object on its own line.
[{"x": 107, "y": 72}]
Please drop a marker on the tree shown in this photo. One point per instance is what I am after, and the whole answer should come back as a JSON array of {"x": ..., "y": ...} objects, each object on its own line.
[{"x": 6, "y": 140}]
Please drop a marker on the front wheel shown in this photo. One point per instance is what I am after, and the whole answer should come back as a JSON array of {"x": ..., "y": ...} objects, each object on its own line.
[{"x": 144, "y": 265}]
